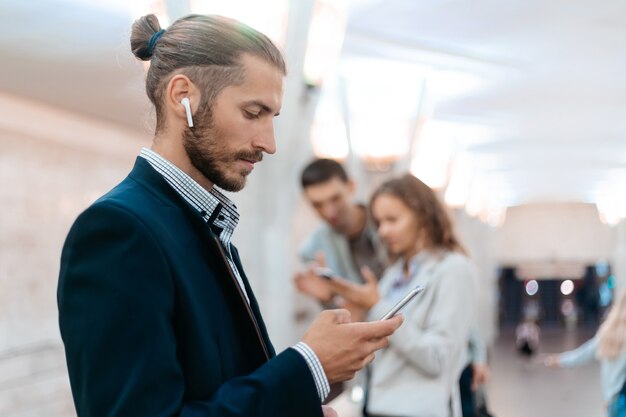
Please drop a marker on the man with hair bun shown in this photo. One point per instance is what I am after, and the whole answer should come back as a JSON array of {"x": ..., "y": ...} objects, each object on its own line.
[{"x": 156, "y": 313}]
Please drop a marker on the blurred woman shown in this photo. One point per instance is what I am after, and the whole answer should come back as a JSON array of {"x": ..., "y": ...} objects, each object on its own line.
[
  {"x": 609, "y": 348},
  {"x": 418, "y": 374}
]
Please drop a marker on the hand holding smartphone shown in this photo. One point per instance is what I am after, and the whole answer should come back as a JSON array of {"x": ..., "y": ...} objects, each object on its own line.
[
  {"x": 400, "y": 304},
  {"x": 324, "y": 272}
]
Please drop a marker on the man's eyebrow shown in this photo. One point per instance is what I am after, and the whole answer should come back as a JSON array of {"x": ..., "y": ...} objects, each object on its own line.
[{"x": 262, "y": 105}]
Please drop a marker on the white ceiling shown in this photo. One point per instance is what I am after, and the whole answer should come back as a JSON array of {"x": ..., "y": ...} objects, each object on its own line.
[
  {"x": 552, "y": 90},
  {"x": 75, "y": 55}
]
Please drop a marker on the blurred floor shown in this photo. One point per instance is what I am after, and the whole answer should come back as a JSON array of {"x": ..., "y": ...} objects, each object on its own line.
[
  {"x": 520, "y": 389},
  {"x": 517, "y": 389}
]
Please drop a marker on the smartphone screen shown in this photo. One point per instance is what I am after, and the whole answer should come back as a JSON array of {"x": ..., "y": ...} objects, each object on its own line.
[{"x": 400, "y": 304}]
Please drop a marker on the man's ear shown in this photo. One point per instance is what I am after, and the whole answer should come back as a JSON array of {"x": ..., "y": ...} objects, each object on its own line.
[{"x": 178, "y": 88}]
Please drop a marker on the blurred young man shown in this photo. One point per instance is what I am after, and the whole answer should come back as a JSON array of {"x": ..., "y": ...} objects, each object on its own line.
[{"x": 347, "y": 239}]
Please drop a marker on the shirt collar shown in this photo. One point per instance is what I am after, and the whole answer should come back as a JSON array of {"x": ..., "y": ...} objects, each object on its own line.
[{"x": 216, "y": 209}]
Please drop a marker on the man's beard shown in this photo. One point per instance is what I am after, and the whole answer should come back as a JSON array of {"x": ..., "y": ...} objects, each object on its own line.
[{"x": 212, "y": 158}]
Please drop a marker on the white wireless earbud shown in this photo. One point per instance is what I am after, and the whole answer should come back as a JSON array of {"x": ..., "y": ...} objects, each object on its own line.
[{"x": 187, "y": 106}]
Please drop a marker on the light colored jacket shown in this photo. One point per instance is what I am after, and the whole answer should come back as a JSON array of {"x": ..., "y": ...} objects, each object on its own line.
[{"x": 418, "y": 374}]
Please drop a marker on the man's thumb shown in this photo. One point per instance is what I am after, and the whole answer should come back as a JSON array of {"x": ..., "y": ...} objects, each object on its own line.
[{"x": 368, "y": 275}]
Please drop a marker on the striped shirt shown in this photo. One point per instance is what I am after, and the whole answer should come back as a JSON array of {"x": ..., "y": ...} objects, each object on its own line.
[{"x": 221, "y": 215}]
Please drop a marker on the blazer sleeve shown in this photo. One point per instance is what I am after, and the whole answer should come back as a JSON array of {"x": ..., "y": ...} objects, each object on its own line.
[
  {"x": 116, "y": 313},
  {"x": 430, "y": 346}
]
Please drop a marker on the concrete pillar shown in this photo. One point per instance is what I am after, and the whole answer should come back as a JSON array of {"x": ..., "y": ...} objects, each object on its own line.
[{"x": 478, "y": 239}]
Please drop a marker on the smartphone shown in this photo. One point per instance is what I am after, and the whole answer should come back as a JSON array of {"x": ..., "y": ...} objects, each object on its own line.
[
  {"x": 324, "y": 272},
  {"x": 400, "y": 304}
]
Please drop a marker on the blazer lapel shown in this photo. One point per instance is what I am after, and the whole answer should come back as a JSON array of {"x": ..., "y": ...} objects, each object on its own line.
[
  {"x": 144, "y": 174},
  {"x": 254, "y": 305},
  {"x": 229, "y": 275}
]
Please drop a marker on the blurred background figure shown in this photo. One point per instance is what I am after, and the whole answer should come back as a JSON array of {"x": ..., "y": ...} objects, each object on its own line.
[
  {"x": 418, "y": 374},
  {"x": 608, "y": 347},
  {"x": 346, "y": 240},
  {"x": 527, "y": 338}
]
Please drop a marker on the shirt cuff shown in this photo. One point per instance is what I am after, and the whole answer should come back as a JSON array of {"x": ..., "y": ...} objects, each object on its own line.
[{"x": 319, "y": 376}]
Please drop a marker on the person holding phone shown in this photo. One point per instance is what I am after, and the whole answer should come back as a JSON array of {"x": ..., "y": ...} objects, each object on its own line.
[
  {"x": 417, "y": 374},
  {"x": 156, "y": 313},
  {"x": 345, "y": 241}
]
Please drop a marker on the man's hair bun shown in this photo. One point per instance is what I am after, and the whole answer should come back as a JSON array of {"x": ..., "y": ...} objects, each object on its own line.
[{"x": 145, "y": 32}]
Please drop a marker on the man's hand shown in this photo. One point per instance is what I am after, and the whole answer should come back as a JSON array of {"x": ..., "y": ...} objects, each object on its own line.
[
  {"x": 364, "y": 296},
  {"x": 343, "y": 347},
  {"x": 329, "y": 412},
  {"x": 309, "y": 283},
  {"x": 357, "y": 313}
]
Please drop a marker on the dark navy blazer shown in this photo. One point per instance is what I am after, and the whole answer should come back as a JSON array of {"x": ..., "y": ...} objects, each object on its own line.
[{"x": 154, "y": 323}]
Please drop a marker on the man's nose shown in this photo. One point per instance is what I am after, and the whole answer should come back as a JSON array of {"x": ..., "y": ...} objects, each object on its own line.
[
  {"x": 330, "y": 212},
  {"x": 266, "y": 140}
]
